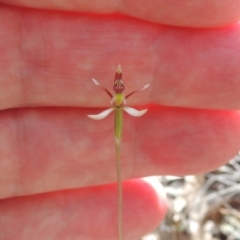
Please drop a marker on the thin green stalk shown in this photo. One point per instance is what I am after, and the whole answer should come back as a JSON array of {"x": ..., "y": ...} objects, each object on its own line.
[
  {"x": 119, "y": 180},
  {"x": 118, "y": 133}
]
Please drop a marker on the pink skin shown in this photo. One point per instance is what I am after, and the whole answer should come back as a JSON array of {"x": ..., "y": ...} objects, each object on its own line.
[{"x": 47, "y": 60}]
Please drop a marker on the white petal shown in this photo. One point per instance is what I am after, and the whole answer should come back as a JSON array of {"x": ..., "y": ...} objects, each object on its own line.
[
  {"x": 101, "y": 115},
  {"x": 134, "y": 112},
  {"x": 102, "y": 87},
  {"x": 136, "y": 91},
  {"x": 96, "y": 82},
  {"x": 144, "y": 87}
]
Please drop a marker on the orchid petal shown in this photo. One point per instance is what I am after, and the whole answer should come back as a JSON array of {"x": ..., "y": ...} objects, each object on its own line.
[
  {"x": 144, "y": 87},
  {"x": 96, "y": 82},
  {"x": 136, "y": 91},
  {"x": 134, "y": 112},
  {"x": 101, "y": 115},
  {"x": 102, "y": 87}
]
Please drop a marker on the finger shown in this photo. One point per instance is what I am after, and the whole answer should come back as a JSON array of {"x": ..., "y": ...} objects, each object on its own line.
[
  {"x": 51, "y": 149},
  {"x": 179, "y": 13},
  {"x": 89, "y": 213},
  {"x": 53, "y": 65}
]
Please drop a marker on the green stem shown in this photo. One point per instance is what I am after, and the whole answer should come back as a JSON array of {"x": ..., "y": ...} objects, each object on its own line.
[
  {"x": 118, "y": 135},
  {"x": 119, "y": 181}
]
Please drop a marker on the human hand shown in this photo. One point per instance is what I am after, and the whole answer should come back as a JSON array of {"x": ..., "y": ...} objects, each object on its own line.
[{"x": 53, "y": 156}]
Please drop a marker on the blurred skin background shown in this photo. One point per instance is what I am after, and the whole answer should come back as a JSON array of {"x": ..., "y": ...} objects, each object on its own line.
[{"x": 57, "y": 167}]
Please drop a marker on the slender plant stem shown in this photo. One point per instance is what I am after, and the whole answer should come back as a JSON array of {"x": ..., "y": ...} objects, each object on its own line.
[
  {"x": 118, "y": 135},
  {"x": 119, "y": 181}
]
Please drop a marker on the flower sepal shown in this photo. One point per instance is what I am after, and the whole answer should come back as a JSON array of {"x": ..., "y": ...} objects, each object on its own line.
[{"x": 102, "y": 114}]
